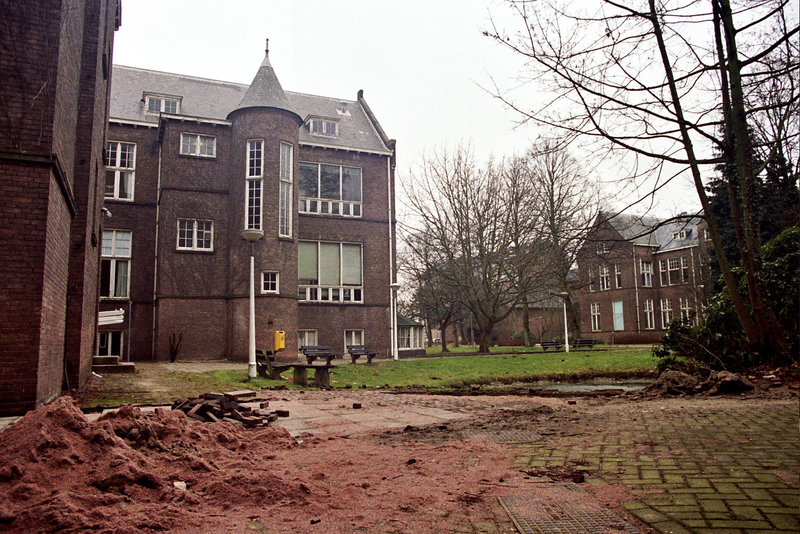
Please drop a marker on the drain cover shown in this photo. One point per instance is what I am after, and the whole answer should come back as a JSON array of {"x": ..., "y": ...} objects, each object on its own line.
[
  {"x": 506, "y": 437},
  {"x": 561, "y": 508}
]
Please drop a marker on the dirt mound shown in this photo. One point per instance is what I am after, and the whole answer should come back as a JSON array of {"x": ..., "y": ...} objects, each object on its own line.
[{"x": 678, "y": 383}]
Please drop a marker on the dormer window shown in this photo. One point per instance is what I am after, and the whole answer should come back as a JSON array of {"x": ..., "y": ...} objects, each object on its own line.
[
  {"x": 162, "y": 104},
  {"x": 680, "y": 234},
  {"x": 323, "y": 128}
]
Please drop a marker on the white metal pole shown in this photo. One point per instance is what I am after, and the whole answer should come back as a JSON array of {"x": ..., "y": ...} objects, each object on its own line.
[
  {"x": 566, "y": 330},
  {"x": 251, "y": 367}
]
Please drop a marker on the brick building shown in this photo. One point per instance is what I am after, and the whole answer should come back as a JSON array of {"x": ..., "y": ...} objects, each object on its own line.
[
  {"x": 55, "y": 72},
  {"x": 191, "y": 162},
  {"x": 639, "y": 273}
]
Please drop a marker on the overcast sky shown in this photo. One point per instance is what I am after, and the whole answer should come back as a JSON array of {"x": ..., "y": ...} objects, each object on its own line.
[{"x": 424, "y": 65}]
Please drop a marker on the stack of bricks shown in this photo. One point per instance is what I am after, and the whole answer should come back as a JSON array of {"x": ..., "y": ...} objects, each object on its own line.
[{"x": 217, "y": 407}]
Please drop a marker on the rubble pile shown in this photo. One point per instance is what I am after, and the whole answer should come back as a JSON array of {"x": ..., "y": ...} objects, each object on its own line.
[
  {"x": 678, "y": 383},
  {"x": 217, "y": 407}
]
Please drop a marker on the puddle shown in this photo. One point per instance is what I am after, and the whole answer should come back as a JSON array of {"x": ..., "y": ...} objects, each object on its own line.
[{"x": 594, "y": 386}]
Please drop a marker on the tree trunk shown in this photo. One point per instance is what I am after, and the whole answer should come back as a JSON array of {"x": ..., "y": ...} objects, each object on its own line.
[
  {"x": 443, "y": 328},
  {"x": 572, "y": 319},
  {"x": 526, "y": 322},
  {"x": 486, "y": 336},
  {"x": 428, "y": 332},
  {"x": 456, "y": 329}
]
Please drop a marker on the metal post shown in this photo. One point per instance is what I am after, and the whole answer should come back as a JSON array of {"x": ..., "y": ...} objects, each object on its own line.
[
  {"x": 251, "y": 366},
  {"x": 564, "y": 296}
]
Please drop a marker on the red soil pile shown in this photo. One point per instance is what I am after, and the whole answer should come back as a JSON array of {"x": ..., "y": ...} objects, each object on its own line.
[{"x": 60, "y": 472}]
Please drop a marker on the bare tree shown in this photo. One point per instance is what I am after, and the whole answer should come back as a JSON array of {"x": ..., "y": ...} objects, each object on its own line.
[{"x": 673, "y": 84}]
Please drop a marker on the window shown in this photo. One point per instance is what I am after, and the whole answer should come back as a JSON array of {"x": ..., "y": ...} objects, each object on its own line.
[
  {"x": 686, "y": 311},
  {"x": 666, "y": 313},
  {"x": 109, "y": 344},
  {"x": 255, "y": 174},
  {"x": 591, "y": 280},
  {"x": 330, "y": 190},
  {"x": 681, "y": 234},
  {"x": 120, "y": 169},
  {"x": 605, "y": 278},
  {"x": 602, "y": 248},
  {"x": 323, "y": 128},
  {"x": 594, "y": 310},
  {"x": 329, "y": 272},
  {"x": 115, "y": 266},
  {"x": 162, "y": 104},
  {"x": 269, "y": 282},
  {"x": 662, "y": 268},
  {"x": 706, "y": 234},
  {"x": 404, "y": 337},
  {"x": 198, "y": 145},
  {"x": 684, "y": 269},
  {"x": 353, "y": 337},
  {"x": 306, "y": 338},
  {"x": 195, "y": 235},
  {"x": 647, "y": 273},
  {"x": 618, "y": 275},
  {"x": 285, "y": 201},
  {"x": 674, "y": 265},
  {"x": 619, "y": 319},
  {"x": 649, "y": 315}
]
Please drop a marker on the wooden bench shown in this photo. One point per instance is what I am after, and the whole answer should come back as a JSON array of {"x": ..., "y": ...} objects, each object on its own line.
[
  {"x": 550, "y": 345},
  {"x": 266, "y": 367},
  {"x": 312, "y": 352},
  {"x": 579, "y": 343},
  {"x": 356, "y": 351}
]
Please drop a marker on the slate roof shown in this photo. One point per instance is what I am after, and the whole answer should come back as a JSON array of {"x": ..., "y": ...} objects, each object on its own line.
[
  {"x": 265, "y": 90},
  {"x": 652, "y": 231},
  {"x": 214, "y": 99},
  {"x": 405, "y": 321}
]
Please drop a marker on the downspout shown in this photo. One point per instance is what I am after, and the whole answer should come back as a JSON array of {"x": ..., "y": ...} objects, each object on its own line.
[
  {"x": 392, "y": 303},
  {"x": 636, "y": 290},
  {"x": 155, "y": 259}
]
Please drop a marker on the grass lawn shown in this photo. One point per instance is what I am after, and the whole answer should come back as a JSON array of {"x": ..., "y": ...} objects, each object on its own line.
[{"x": 158, "y": 383}]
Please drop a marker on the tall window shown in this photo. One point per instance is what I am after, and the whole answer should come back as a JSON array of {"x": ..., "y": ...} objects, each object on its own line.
[
  {"x": 684, "y": 269},
  {"x": 116, "y": 263},
  {"x": 647, "y": 273},
  {"x": 330, "y": 190},
  {"x": 666, "y": 313},
  {"x": 686, "y": 310},
  {"x": 662, "y": 268},
  {"x": 255, "y": 175},
  {"x": 591, "y": 280},
  {"x": 404, "y": 337},
  {"x": 674, "y": 270},
  {"x": 649, "y": 315},
  {"x": 109, "y": 343},
  {"x": 594, "y": 310},
  {"x": 120, "y": 169},
  {"x": 329, "y": 272},
  {"x": 198, "y": 145},
  {"x": 353, "y": 337},
  {"x": 195, "y": 235},
  {"x": 306, "y": 338},
  {"x": 162, "y": 104},
  {"x": 285, "y": 201},
  {"x": 605, "y": 278},
  {"x": 269, "y": 282},
  {"x": 618, "y": 275}
]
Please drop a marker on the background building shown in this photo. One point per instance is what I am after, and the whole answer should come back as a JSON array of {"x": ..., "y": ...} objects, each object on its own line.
[
  {"x": 191, "y": 162},
  {"x": 639, "y": 273},
  {"x": 54, "y": 79}
]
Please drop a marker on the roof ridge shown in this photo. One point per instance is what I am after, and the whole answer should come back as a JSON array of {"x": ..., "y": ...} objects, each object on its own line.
[
  {"x": 177, "y": 74},
  {"x": 298, "y": 93}
]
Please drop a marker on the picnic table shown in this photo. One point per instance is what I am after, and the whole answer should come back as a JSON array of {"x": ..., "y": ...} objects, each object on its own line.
[{"x": 267, "y": 367}]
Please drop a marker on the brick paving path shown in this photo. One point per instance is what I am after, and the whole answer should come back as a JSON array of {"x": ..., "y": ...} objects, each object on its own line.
[{"x": 709, "y": 465}]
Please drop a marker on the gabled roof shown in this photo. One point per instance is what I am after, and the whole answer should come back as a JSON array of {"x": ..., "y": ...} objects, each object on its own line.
[
  {"x": 213, "y": 99},
  {"x": 636, "y": 229},
  {"x": 652, "y": 231}
]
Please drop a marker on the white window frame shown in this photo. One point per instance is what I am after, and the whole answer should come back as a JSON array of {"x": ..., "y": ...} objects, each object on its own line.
[
  {"x": 674, "y": 268},
  {"x": 303, "y": 335},
  {"x": 108, "y": 335},
  {"x": 331, "y": 206},
  {"x": 276, "y": 279},
  {"x": 114, "y": 259},
  {"x": 194, "y": 247},
  {"x": 254, "y": 185},
  {"x": 663, "y": 273},
  {"x": 649, "y": 315},
  {"x": 680, "y": 234},
  {"x": 404, "y": 341},
  {"x": 605, "y": 277},
  {"x": 617, "y": 275},
  {"x": 685, "y": 269},
  {"x": 348, "y": 334},
  {"x": 685, "y": 310},
  {"x": 602, "y": 248},
  {"x": 118, "y": 170},
  {"x": 594, "y": 312},
  {"x": 320, "y": 127},
  {"x": 196, "y": 138},
  {"x": 162, "y": 106},
  {"x": 646, "y": 268},
  {"x": 340, "y": 294},
  {"x": 592, "y": 285},
  {"x": 666, "y": 313},
  {"x": 285, "y": 190}
]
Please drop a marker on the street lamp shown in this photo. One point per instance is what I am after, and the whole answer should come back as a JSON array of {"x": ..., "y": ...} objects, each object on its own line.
[
  {"x": 252, "y": 235},
  {"x": 564, "y": 296},
  {"x": 394, "y": 287}
]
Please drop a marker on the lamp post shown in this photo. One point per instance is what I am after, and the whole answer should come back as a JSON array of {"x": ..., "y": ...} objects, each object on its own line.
[
  {"x": 252, "y": 235},
  {"x": 564, "y": 296},
  {"x": 394, "y": 287}
]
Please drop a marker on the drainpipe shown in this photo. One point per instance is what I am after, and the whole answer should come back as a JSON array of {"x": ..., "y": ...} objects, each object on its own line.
[
  {"x": 636, "y": 290},
  {"x": 392, "y": 289},
  {"x": 155, "y": 259}
]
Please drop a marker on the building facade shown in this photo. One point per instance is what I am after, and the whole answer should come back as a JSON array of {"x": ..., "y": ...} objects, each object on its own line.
[
  {"x": 637, "y": 274},
  {"x": 55, "y": 72},
  {"x": 191, "y": 163}
]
